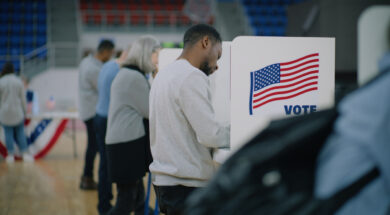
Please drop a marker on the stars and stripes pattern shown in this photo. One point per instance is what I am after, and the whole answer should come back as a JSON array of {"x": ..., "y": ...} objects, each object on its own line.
[
  {"x": 282, "y": 81},
  {"x": 41, "y": 136}
]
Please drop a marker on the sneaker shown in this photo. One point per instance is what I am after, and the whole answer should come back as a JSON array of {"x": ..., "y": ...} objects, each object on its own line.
[
  {"x": 28, "y": 158},
  {"x": 87, "y": 183},
  {"x": 10, "y": 159}
]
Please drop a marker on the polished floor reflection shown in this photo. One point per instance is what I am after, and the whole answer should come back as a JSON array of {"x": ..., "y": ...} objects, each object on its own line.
[{"x": 50, "y": 186}]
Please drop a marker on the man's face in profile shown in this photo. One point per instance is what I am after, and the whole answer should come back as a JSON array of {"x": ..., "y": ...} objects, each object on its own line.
[{"x": 209, "y": 65}]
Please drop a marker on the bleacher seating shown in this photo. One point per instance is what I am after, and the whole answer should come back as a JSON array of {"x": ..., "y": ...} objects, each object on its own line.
[
  {"x": 158, "y": 13},
  {"x": 268, "y": 17},
  {"x": 23, "y": 28}
]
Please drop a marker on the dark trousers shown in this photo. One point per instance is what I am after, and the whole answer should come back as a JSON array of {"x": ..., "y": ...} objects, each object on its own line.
[
  {"x": 171, "y": 199},
  {"x": 104, "y": 184},
  {"x": 92, "y": 148},
  {"x": 131, "y": 197}
]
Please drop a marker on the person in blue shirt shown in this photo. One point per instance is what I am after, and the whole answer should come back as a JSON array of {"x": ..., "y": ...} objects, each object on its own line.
[
  {"x": 107, "y": 74},
  {"x": 360, "y": 141}
]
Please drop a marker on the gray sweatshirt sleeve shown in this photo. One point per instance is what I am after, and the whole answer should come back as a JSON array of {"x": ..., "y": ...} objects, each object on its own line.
[
  {"x": 139, "y": 94},
  {"x": 195, "y": 101},
  {"x": 92, "y": 78},
  {"x": 23, "y": 99}
]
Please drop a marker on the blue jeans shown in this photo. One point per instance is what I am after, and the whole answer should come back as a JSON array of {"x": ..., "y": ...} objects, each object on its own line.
[
  {"x": 15, "y": 131},
  {"x": 104, "y": 183}
]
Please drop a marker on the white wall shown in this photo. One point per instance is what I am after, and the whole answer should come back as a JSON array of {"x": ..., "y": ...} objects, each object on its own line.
[
  {"x": 62, "y": 84},
  {"x": 372, "y": 43}
]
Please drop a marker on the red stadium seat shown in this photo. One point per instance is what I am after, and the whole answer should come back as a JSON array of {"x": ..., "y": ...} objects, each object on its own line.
[
  {"x": 145, "y": 7},
  {"x": 134, "y": 19},
  {"x": 139, "y": 19},
  {"x": 170, "y": 7},
  {"x": 97, "y": 19},
  {"x": 122, "y": 18},
  {"x": 110, "y": 18},
  {"x": 108, "y": 6},
  {"x": 83, "y": 6},
  {"x": 133, "y": 7},
  {"x": 121, "y": 6},
  {"x": 96, "y": 6},
  {"x": 134, "y": 12},
  {"x": 183, "y": 20},
  {"x": 156, "y": 7},
  {"x": 161, "y": 19}
]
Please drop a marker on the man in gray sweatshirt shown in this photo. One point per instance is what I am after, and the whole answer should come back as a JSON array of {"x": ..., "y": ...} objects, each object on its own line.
[
  {"x": 183, "y": 126},
  {"x": 90, "y": 68}
]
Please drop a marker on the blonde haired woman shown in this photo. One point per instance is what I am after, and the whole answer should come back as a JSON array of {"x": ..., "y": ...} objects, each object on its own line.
[{"x": 127, "y": 137}]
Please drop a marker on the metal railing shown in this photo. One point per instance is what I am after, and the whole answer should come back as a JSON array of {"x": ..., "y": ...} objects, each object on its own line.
[
  {"x": 63, "y": 54},
  {"x": 52, "y": 55},
  {"x": 30, "y": 63}
]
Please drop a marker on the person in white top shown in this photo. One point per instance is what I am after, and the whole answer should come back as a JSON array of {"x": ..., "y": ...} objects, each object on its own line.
[
  {"x": 12, "y": 112},
  {"x": 183, "y": 127}
]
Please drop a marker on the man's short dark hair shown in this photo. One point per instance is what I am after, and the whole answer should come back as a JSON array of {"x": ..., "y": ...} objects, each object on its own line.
[
  {"x": 197, "y": 32},
  {"x": 105, "y": 45},
  {"x": 8, "y": 68}
]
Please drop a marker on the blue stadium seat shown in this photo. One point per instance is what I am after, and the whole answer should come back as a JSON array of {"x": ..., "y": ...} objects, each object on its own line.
[
  {"x": 16, "y": 17},
  {"x": 3, "y": 29},
  {"x": 28, "y": 17},
  {"x": 265, "y": 1},
  {"x": 16, "y": 28},
  {"x": 27, "y": 49},
  {"x": 41, "y": 28},
  {"x": 262, "y": 20},
  {"x": 267, "y": 31},
  {"x": 41, "y": 7},
  {"x": 42, "y": 17},
  {"x": 15, "y": 51},
  {"x": 3, "y": 37},
  {"x": 28, "y": 29},
  {"x": 273, "y": 20},
  {"x": 3, "y": 7},
  {"x": 252, "y": 20},
  {"x": 282, "y": 10},
  {"x": 3, "y": 52},
  {"x": 28, "y": 7},
  {"x": 250, "y": 11},
  {"x": 17, "y": 6},
  {"x": 42, "y": 54},
  {"x": 41, "y": 41},
  {"x": 28, "y": 39},
  {"x": 16, "y": 64},
  {"x": 280, "y": 31},
  {"x": 3, "y": 18},
  {"x": 15, "y": 40},
  {"x": 246, "y": 2}
]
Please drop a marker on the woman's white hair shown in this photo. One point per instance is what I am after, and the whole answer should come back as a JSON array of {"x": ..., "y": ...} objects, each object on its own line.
[{"x": 140, "y": 53}]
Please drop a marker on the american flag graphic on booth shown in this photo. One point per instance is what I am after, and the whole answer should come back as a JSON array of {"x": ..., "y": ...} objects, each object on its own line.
[{"x": 282, "y": 81}]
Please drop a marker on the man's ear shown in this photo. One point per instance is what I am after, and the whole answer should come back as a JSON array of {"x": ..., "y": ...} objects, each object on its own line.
[{"x": 205, "y": 41}]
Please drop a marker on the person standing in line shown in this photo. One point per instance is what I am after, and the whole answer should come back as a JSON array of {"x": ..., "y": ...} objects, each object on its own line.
[
  {"x": 90, "y": 68},
  {"x": 106, "y": 76},
  {"x": 127, "y": 138},
  {"x": 13, "y": 112},
  {"x": 183, "y": 126}
]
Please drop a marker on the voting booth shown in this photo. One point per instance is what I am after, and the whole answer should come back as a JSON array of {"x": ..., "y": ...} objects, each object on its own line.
[{"x": 265, "y": 78}]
